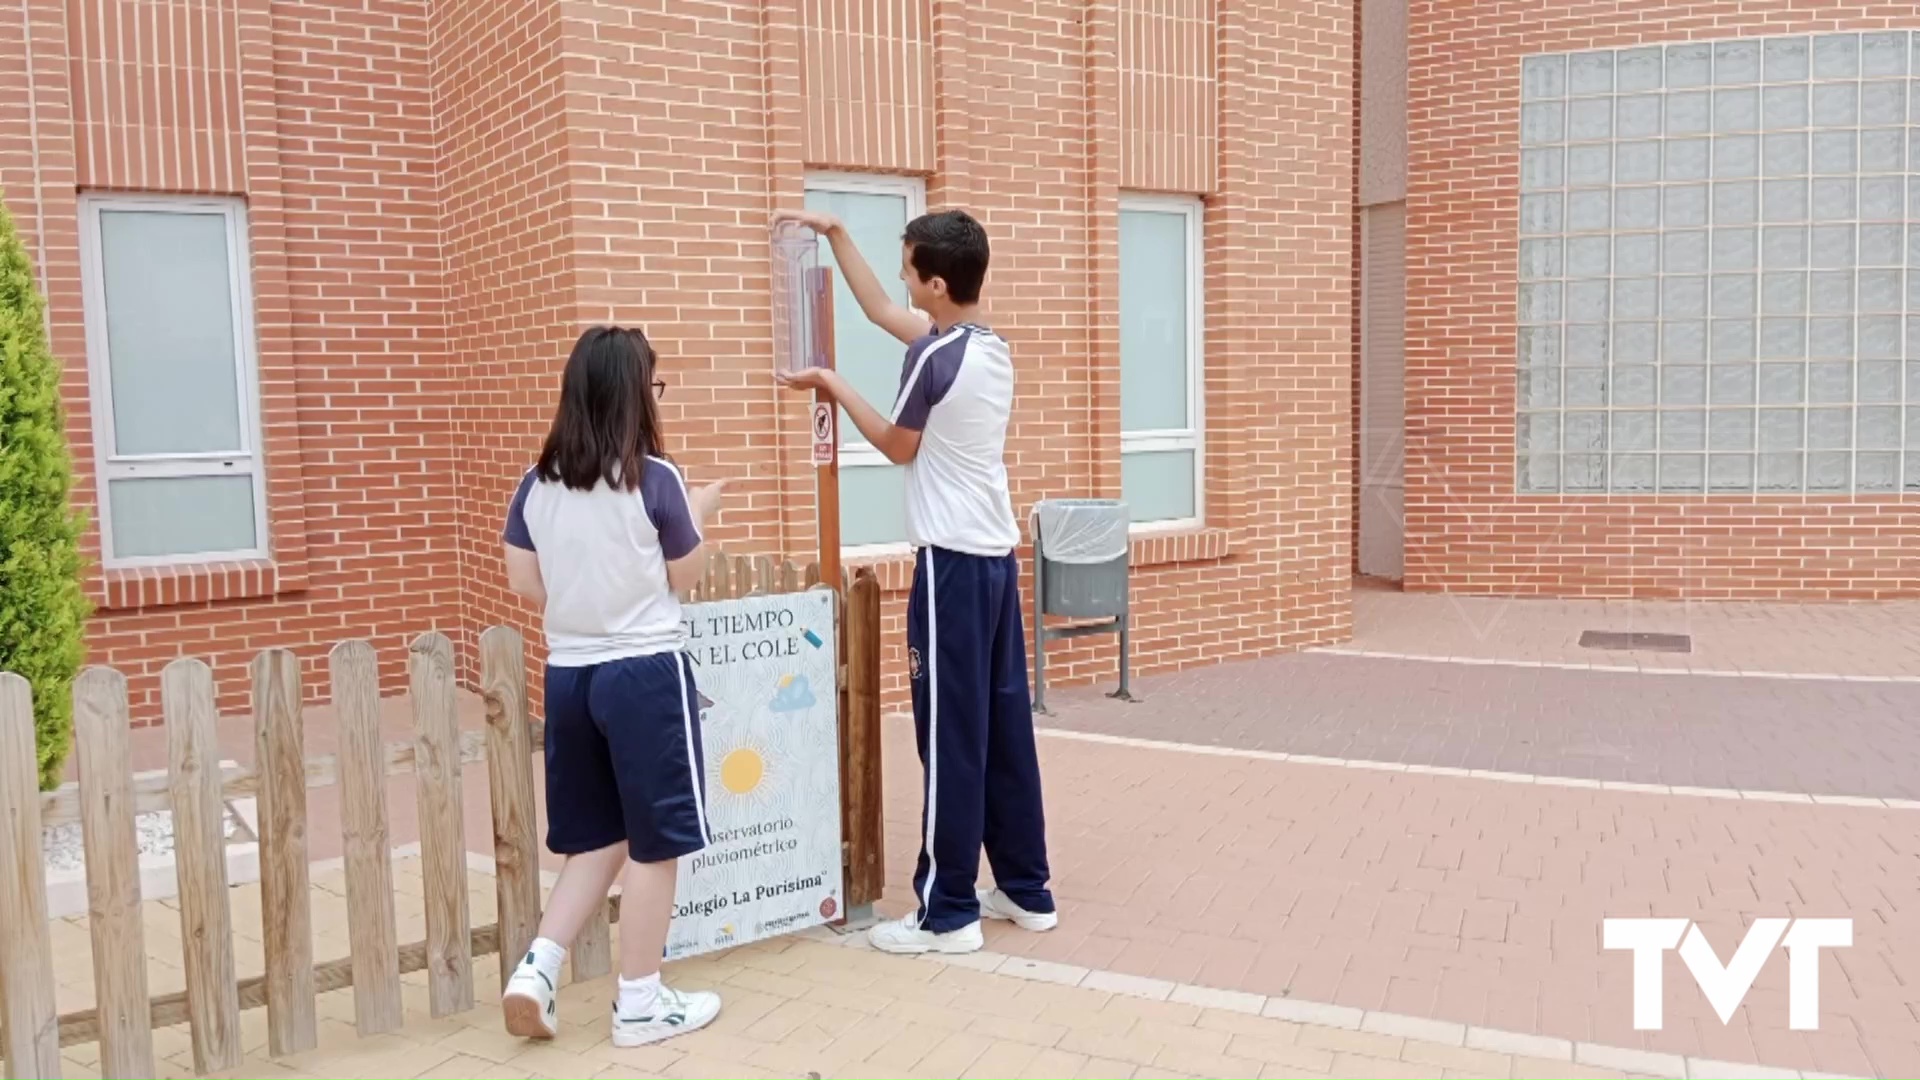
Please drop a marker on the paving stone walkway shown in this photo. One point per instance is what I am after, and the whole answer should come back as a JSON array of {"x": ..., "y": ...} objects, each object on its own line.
[{"x": 807, "y": 1007}]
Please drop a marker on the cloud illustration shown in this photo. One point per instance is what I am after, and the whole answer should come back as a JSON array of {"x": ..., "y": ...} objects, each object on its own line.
[{"x": 794, "y": 695}]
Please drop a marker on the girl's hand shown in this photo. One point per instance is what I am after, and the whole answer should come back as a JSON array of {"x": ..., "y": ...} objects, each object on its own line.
[{"x": 706, "y": 500}]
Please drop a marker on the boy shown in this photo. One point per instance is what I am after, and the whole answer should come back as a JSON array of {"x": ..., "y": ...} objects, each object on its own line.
[{"x": 966, "y": 644}]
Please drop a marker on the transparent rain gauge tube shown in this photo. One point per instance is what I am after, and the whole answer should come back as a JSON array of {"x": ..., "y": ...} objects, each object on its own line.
[{"x": 795, "y": 257}]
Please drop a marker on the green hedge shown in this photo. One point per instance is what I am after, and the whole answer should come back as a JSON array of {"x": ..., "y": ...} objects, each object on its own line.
[{"x": 43, "y": 610}]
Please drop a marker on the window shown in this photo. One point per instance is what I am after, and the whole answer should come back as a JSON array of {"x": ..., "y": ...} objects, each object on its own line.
[
  {"x": 170, "y": 357},
  {"x": 1160, "y": 355},
  {"x": 1719, "y": 290},
  {"x": 876, "y": 210}
]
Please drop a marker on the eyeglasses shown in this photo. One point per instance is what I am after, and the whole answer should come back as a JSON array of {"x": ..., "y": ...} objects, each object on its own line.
[{"x": 659, "y": 389}]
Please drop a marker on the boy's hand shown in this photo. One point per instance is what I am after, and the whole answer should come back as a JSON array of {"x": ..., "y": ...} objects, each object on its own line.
[
  {"x": 812, "y": 378},
  {"x": 824, "y": 224}
]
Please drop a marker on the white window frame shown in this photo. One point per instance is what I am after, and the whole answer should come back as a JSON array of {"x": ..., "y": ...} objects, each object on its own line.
[
  {"x": 855, "y": 451},
  {"x": 112, "y": 465},
  {"x": 1193, "y": 437}
]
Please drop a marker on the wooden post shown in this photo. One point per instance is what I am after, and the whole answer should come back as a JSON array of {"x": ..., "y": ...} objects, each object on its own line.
[
  {"x": 26, "y": 945},
  {"x": 280, "y": 755},
  {"x": 503, "y": 683},
  {"x": 863, "y": 822},
  {"x": 827, "y": 477},
  {"x": 443, "y": 843},
  {"x": 100, "y": 728},
  {"x": 200, "y": 860},
  {"x": 377, "y": 1004}
]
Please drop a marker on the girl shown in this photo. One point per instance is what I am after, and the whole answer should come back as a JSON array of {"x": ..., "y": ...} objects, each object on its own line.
[{"x": 604, "y": 536}]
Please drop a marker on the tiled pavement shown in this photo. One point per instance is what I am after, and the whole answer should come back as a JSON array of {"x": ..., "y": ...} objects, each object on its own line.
[
  {"x": 1829, "y": 737},
  {"x": 1464, "y": 900},
  {"x": 801, "y": 1007},
  {"x": 1866, "y": 639}
]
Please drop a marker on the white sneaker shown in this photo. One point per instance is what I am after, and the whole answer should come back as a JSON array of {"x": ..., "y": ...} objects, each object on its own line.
[
  {"x": 904, "y": 937},
  {"x": 998, "y": 905},
  {"x": 528, "y": 1003},
  {"x": 673, "y": 1013}
]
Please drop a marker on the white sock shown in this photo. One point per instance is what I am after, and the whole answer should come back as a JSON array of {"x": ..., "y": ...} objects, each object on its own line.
[
  {"x": 638, "y": 995},
  {"x": 547, "y": 958}
]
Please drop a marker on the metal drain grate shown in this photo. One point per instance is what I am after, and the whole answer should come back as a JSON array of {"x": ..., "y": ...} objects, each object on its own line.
[{"x": 1618, "y": 641}]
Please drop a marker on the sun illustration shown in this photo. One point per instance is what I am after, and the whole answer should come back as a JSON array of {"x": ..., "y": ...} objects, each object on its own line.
[{"x": 742, "y": 769}]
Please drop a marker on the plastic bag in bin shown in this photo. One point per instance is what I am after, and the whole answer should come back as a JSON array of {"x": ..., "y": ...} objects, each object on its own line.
[
  {"x": 796, "y": 255},
  {"x": 1081, "y": 531}
]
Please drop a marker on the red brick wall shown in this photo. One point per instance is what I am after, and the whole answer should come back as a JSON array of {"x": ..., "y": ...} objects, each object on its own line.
[
  {"x": 1467, "y": 530},
  {"x": 337, "y": 165},
  {"x": 440, "y": 196}
]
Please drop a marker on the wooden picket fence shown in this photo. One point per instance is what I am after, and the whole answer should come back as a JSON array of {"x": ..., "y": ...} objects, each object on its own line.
[{"x": 194, "y": 787}]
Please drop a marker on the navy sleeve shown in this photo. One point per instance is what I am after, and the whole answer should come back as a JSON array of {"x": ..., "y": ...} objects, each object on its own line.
[
  {"x": 932, "y": 364},
  {"x": 516, "y": 533},
  {"x": 665, "y": 495}
]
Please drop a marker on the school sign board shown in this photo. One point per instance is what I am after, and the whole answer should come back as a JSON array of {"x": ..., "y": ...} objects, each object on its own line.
[{"x": 766, "y": 669}]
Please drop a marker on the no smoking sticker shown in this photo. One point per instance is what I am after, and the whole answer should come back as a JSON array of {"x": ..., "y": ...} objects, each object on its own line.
[{"x": 823, "y": 434}]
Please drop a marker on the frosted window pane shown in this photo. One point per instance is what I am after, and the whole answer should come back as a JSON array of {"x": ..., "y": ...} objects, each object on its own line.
[
  {"x": 1883, "y": 102},
  {"x": 1589, "y": 211},
  {"x": 1686, "y": 207},
  {"x": 1836, "y": 104},
  {"x": 1543, "y": 123},
  {"x": 1158, "y": 486},
  {"x": 1540, "y": 258},
  {"x": 1783, "y": 107},
  {"x": 1544, "y": 77},
  {"x": 1784, "y": 154},
  {"x": 182, "y": 515},
  {"x": 1784, "y": 200},
  {"x": 1736, "y": 62},
  {"x": 1736, "y": 203},
  {"x": 1785, "y": 59},
  {"x": 1689, "y": 113},
  {"x": 1688, "y": 65},
  {"x": 1836, "y": 56},
  {"x": 1736, "y": 156},
  {"x": 873, "y": 504},
  {"x": 1594, "y": 164},
  {"x": 1639, "y": 69},
  {"x": 1589, "y": 119},
  {"x": 1686, "y": 252},
  {"x": 1590, "y": 73},
  {"x": 1543, "y": 169},
  {"x": 1836, "y": 153},
  {"x": 1638, "y": 163},
  {"x": 1154, "y": 339},
  {"x": 1736, "y": 249},
  {"x": 1883, "y": 54},
  {"x": 171, "y": 340},
  {"x": 1639, "y": 116},
  {"x": 1588, "y": 256},
  {"x": 1736, "y": 110},
  {"x": 1688, "y": 159}
]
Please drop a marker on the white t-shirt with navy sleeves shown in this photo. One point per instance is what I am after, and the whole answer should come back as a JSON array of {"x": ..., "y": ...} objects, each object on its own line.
[
  {"x": 603, "y": 557},
  {"x": 956, "y": 389}
]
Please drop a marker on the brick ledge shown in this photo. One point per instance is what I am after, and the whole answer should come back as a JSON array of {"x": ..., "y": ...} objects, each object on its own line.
[
  {"x": 1150, "y": 549},
  {"x": 195, "y": 583}
]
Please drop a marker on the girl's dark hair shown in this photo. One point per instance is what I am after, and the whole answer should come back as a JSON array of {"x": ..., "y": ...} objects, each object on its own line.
[{"x": 608, "y": 423}]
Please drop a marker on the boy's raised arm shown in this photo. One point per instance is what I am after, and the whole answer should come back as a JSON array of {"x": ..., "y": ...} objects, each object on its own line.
[{"x": 878, "y": 307}]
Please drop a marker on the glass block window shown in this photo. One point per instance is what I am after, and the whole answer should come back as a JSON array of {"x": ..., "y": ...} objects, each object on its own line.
[{"x": 1719, "y": 288}]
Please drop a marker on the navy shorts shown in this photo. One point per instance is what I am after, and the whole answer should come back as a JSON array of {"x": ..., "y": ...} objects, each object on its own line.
[{"x": 624, "y": 760}]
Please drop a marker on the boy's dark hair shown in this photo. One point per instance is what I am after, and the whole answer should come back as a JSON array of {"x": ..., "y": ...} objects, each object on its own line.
[
  {"x": 953, "y": 246},
  {"x": 608, "y": 423}
]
